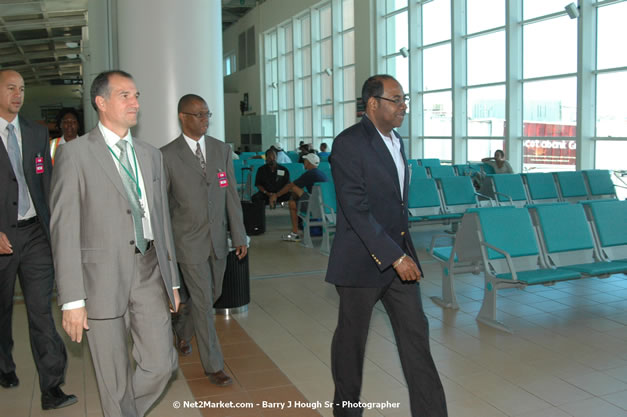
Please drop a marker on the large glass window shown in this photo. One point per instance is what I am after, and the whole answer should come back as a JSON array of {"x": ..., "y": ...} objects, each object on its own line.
[
  {"x": 486, "y": 112},
  {"x": 550, "y": 47},
  {"x": 451, "y": 65},
  {"x": 611, "y": 93},
  {"x": 484, "y": 14},
  {"x": 303, "y": 64},
  {"x": 612, "y": 104}
]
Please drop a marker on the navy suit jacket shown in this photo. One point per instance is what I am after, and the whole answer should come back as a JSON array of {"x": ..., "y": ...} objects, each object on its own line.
[
  {"x": 372, "y": 220},
  {"x": 35, "y": 142}
]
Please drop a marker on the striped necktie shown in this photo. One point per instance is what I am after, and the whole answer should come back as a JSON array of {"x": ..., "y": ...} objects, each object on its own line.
[{"x": 201, "y": 159}]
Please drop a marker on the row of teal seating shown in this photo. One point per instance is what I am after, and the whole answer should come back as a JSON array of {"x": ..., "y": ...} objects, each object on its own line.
[
  {"x": 570, "y": 186},
  {"x": 441, "y": 200},
  {"x": 541, "y": 244},
  {"x": 439, "y": 171}
]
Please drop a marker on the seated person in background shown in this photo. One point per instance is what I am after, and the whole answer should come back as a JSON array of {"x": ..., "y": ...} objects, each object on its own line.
[
  {"x": 297, "y": 192},
  {"x": 323, "y": 150},
  {"x": 281, "y": 156},
  {"x": 499, "y": 163},
  {"x": 500, "y": 166},
  {"x": 270, "y": 179},
  {"x": 67, "y": 122},
  {"x": 305, "y": 148}
]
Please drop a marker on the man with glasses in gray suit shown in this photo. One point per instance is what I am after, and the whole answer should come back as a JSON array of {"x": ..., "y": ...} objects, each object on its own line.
[{"x": 203, "y": 201}]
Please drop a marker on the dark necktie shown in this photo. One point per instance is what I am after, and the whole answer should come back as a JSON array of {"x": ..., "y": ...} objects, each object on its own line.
[{"x": 201, "y": 159}]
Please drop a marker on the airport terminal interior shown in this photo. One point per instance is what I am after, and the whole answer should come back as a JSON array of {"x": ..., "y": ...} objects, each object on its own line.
[{"x": 543, "y": 80}]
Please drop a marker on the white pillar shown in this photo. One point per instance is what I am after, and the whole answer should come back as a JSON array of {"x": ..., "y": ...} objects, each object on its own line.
[
  {"x": 172, "y": 48},
  {"x": 98, "y": 51}
]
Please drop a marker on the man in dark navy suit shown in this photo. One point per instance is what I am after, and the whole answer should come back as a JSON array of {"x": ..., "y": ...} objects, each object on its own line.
[
  {"x": 25, "y": 170},
  {"x": 373, "y": 257}
]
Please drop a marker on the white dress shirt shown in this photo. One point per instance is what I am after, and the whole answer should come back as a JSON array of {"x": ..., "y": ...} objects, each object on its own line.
[
  {"x": 192, "y": 145},
  {"x": 4, "y": 132},
  {"x": 394, "y": 146},
  {"x": 111, "y": 139}
]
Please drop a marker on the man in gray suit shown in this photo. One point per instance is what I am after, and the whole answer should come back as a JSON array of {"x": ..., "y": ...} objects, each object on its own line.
[
  {"x": 113, "y": 251},
  {"x": 203, "y": 196},
  {"x": 25, "y": 171}
]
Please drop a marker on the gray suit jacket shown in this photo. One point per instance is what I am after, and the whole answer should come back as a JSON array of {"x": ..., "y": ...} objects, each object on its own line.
[
  {"x": 199, "y": 206},
  {"x": 92, "y": 228}
]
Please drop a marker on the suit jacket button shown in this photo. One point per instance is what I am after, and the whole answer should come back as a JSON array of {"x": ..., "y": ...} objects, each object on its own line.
[
  {"x": 15, "y": 203},
  {"x": 402, "y": 233},
  {"x": 132, "y": 242}
]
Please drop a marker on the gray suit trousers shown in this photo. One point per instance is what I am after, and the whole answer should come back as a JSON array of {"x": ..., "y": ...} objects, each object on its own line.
[
  {"x": 197, "y": 315},
  {"x": 124, "y": 393}
]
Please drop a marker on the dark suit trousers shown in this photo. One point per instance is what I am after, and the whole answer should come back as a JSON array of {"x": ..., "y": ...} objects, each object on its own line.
[
  {"x": 411, "y": 331},
  {"x": 32, "y": 261}
]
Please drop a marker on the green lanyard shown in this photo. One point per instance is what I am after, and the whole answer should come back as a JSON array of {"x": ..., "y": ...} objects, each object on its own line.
[{"x": 130, "y": 175}]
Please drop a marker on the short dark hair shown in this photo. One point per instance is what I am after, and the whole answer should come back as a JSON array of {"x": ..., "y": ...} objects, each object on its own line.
[
  {"x": 188, "y": 99},
  {"x": 498, "y": 151},
  {"x": 323, "y": 146},
  {"x": 63, "y": 112},
  {"x": 100, "y": 85},
  {"x": 270, "y": 150},
  {"x": 374, "y": 87}
]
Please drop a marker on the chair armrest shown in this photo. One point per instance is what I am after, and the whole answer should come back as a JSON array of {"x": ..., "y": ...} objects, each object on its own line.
[
  {"x": 435, "y": 237},
  {"x": 490, "y": 199},
  {"x": 505, "y": 195},
  {"x": 508, "y": 259}
]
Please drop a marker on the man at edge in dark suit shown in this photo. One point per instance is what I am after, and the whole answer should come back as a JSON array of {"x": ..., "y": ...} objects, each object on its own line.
[
  {"x": 373, "y": 257},
  {"x": 25, "y": 170}
]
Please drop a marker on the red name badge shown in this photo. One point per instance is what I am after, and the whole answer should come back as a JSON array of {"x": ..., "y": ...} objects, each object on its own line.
[
  {"x": 222, "y": 179},
  {"x": 39, "y": 165}
]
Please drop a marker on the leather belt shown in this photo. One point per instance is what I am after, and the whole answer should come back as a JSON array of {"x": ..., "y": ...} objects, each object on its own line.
[
  {"x": 27, "y": 222},
  {"x": 147, "y": 247}
]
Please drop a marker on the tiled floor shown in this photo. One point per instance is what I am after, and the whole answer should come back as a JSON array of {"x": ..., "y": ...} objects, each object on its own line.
[{"x": 566, "y": 357}]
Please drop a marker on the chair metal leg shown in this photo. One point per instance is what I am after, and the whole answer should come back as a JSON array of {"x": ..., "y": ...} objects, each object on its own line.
[
  {"x": 487, "y": 314},
  {"x": 448, "y": 299},
  {"x": 307, "y": 242}
]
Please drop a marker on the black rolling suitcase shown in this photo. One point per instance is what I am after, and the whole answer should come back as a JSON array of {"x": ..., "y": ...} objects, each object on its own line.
[{"x": 254, "y": 217}]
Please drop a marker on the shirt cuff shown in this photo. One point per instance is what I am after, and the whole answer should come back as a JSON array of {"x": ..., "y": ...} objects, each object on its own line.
[
  {"x": 175, "y": 288},
  {"x": 72, "y": 305}
]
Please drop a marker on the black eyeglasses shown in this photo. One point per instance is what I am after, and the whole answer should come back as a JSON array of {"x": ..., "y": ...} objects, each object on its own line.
[
  {"x": 397, "y": 101},
  {"x": 201, "y": 115}
]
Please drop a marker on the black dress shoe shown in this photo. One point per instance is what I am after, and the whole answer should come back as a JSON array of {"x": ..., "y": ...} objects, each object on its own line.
[
  {"x": 184, "y": 347},
  {"x": 55, "y": 398},
  {"x": 9, "y": 380}
]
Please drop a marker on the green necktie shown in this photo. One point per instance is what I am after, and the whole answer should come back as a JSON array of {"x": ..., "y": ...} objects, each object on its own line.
[{"x": 131, "y": 186}]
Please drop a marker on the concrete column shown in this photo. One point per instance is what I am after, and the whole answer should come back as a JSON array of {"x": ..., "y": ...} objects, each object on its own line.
[
  {"x": 513, "y": 87},
  {"x": 172, "y": 48},
  {"x": 98, "y": 50}
]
